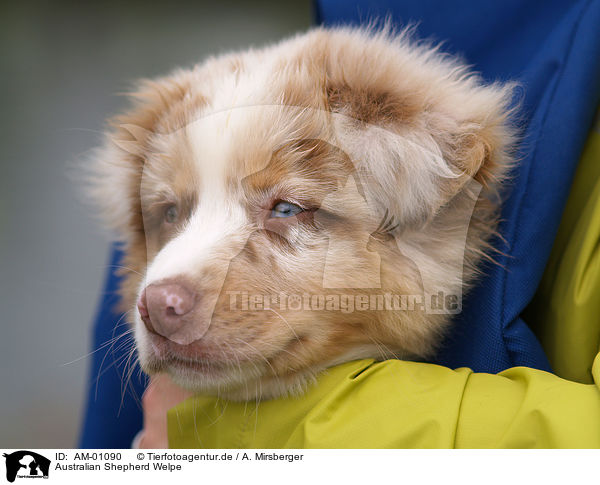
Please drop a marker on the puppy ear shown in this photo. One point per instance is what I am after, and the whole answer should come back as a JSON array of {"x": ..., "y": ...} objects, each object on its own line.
[
  {"x": 416, "y": 123},
  {"x": 475, "y": 136},
  {"x": 112, "y": 176}
]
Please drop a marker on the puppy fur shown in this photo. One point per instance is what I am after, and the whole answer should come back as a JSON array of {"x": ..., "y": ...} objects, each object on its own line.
[{"x": 419, "y": 138}]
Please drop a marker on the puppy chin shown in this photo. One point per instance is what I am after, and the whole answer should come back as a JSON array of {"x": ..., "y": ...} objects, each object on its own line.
[{"x": 201, "y": 375}]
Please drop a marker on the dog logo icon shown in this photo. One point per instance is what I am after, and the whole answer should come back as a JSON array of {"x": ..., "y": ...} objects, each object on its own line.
[{"x": 26, "y": 464}]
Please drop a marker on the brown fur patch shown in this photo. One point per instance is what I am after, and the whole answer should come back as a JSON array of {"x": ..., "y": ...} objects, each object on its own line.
[{"x": 370, "y": 106}]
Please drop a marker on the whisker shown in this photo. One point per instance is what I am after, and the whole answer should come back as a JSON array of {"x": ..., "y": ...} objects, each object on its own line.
[
  {"x": 129, "y": 369},
  {"x": 129, "y": 339},
  {"x": 381, "y": 346},
  {"x": 101, "y": 373},
  {"x": 102, "y": 346},
  {"x": 288, "y": 324},
  {"x": 120, "y": 266},
  {"x": 120, "y": 322},
  {"x": 260, "y": 354}
]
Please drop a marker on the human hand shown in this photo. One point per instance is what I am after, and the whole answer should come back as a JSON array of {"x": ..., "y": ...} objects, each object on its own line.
[{"x": 161, "y": 395}]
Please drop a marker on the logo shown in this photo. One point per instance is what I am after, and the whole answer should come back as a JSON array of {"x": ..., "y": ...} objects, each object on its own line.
[{"x": 26, "y": 464}]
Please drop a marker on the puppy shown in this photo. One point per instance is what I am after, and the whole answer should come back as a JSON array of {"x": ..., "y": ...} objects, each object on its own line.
[{"x": 286, "y": 209}]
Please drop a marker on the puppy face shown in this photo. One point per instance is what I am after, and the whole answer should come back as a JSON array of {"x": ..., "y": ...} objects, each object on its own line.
[{"x": 257, "y": 192}]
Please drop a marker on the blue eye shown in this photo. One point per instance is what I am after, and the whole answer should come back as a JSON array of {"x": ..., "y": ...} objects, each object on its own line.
[
  {"x": 285, "y": 209},
  {"x": 171, "y": 214}
]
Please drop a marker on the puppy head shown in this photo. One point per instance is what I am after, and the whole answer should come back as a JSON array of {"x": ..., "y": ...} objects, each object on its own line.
[{"x": 258, "y": 191}]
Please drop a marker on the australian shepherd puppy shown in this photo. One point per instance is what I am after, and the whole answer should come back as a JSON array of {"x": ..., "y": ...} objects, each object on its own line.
[{"x": 285, "y": 209}]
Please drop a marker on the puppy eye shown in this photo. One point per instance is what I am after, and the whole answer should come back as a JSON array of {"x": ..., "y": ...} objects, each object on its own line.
[
  {"x": 285, "y": 209},
  {"x": 171, "y": 214}
]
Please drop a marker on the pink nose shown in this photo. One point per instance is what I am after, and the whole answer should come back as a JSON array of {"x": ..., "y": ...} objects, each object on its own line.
[{"x": 166, "y": 308}]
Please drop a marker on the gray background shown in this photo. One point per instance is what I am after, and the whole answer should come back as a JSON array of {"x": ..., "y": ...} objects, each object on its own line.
[{"x": 62, "y": 65}]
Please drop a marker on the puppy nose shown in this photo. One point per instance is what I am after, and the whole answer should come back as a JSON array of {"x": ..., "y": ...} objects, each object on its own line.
[{"x": 165, "y": 308}]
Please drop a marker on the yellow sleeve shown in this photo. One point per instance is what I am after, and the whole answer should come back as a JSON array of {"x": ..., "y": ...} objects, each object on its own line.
[
  {"x": 527, "y": 408},
  {"x": 397, "y": 404}
]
